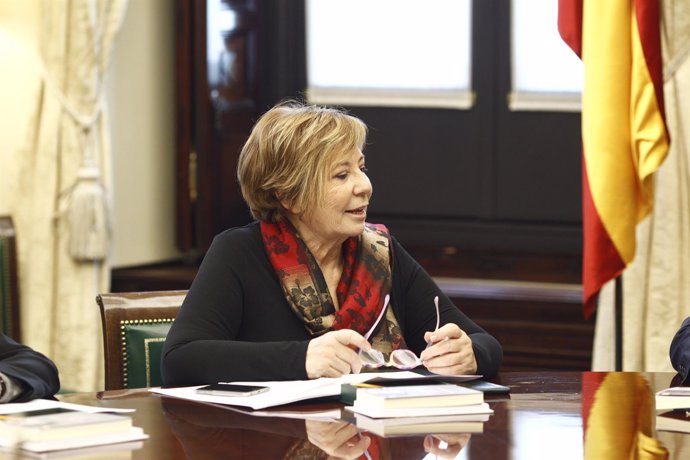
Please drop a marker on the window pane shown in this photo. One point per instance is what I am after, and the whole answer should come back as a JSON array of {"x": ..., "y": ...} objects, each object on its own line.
[
  {"x": 219, "y": 20},
  {"x": 546, "y": 72},
  {"x": 384, "y": 48}
]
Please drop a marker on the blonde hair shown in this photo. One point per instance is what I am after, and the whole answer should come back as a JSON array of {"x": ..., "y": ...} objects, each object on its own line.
[{"x": 288, "y": 155}]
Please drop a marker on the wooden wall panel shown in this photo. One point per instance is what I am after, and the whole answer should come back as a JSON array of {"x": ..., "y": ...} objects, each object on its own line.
[{"x": 539, "y": 325}]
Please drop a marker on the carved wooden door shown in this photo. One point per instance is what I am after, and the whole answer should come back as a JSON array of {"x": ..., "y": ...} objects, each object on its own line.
[{"x": 216, "y": 104}]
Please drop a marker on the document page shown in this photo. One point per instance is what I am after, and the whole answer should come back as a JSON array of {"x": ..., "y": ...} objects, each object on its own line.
[
  {"x": 285, "y": 392},
  {"x": 41, "y": 404}
]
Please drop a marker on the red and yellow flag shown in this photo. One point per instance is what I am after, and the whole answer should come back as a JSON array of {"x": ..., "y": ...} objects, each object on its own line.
[{"x": 624, "y": 136}]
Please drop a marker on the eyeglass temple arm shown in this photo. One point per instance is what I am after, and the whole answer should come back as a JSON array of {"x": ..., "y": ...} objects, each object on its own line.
[
  {"x": 376, "y": 323},
  {"x": 438, "y": 321},
  {"x": 438, "y": 315}
]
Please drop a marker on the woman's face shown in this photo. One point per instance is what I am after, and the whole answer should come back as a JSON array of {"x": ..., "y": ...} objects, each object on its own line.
[{"x": 342, "y": 211}]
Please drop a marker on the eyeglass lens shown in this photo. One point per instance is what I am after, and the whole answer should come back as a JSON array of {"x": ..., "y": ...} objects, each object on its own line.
[{"x": 401, "y": 359}]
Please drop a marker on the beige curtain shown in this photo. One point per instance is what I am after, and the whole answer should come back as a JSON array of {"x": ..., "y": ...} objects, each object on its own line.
[
  {"x": 62, "y": 213},
  {"x": 656, "y": 286}
]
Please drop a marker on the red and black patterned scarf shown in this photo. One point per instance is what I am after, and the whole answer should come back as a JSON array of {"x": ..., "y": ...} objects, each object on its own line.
[{"x": 365, "y": 281}]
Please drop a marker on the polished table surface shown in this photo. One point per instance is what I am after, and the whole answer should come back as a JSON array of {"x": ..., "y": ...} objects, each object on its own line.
[{"x": 541, "y": 418}]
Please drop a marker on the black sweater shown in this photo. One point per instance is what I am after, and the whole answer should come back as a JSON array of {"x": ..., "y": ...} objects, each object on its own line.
[{"x": 235, "y": 323}]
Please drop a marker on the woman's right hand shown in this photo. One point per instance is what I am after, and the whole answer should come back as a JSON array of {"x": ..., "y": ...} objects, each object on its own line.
[{"x": 335, "y": 353}]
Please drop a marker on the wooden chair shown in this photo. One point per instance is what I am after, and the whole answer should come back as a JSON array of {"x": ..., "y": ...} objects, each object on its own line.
[
  {"x": 9, "y": 284},
  {"x": 134, "y": 328}
]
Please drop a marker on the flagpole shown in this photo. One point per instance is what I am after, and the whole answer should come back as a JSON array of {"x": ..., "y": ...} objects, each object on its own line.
[{"x": 618, "y": 320}]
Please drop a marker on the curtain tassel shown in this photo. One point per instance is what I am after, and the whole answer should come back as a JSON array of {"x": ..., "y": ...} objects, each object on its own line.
[{"x": 87, "y": 217}]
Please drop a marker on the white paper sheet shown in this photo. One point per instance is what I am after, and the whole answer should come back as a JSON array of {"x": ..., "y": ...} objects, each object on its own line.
[
  {"x": 285, "y": 392},
  {"x": 40, "y": 404}
]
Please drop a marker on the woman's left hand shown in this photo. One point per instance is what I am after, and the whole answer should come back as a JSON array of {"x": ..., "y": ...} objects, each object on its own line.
[{"x": 450, "y": 353}]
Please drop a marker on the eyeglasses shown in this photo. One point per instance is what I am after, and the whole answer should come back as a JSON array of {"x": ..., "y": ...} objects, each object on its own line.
[{"x": 400, "y": 359}]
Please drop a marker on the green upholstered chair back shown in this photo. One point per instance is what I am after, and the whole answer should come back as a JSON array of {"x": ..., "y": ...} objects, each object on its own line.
[
  {"x": 9, "y": 285},
  {"x": 134, "y": 328}
]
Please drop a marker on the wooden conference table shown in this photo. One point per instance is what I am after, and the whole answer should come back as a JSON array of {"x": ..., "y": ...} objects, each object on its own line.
[{"x": 542, "y": 418}]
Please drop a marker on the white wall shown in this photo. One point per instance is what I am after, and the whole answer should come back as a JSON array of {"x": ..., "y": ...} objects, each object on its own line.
[
  {"x": 19, "y": 84},
  {"x": 141, "y": 97}
]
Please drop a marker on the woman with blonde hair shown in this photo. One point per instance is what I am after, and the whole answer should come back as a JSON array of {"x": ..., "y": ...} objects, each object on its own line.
[{"x": 310, "y": 289}]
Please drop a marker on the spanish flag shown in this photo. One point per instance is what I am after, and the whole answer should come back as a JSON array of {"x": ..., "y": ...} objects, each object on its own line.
[{"x": 624, "y": 135}]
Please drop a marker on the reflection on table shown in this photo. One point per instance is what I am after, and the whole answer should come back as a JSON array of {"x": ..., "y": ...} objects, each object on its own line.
[
  {"x": 207, "y": 432},
  {"x": 542, "y": 418}
]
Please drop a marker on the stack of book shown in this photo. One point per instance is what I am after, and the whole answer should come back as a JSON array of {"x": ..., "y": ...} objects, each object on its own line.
[
  {"x": 408, "y": 426},
  {"x": 673, "y": 398},
  {"x": 417, "y": 409},
  {"x": 675, "y": 420},
  {"x": 59, "y": 429}
]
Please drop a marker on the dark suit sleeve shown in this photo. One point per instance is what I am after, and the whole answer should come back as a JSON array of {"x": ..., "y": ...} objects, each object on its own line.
[
  {"x": 36, "y": 372},
  {"x": 680, "y": 350}
]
